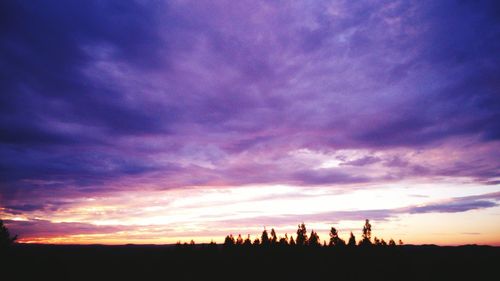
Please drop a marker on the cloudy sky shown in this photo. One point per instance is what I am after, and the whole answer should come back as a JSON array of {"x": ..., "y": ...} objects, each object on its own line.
[{"x": 159, "y": 121}]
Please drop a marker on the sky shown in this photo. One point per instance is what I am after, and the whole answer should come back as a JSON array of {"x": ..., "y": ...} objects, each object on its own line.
[{"x": 162, "y": 121}]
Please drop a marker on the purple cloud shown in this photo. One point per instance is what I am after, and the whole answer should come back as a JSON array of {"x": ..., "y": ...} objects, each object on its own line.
[
  {"x": 43, "y": 228},
  {"x": 367, "y": 160},
  {"x": 99, "y": 97},
  {"x": 454, "y": 205},
  {"x": 457, "y": 205}
]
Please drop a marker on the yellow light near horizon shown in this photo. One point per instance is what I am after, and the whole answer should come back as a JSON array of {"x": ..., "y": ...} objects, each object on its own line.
[{"x": 209, "y": 214}]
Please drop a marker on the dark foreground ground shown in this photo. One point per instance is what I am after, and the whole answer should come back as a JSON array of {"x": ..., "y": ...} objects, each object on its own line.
[{"x": 50, "y": 262}]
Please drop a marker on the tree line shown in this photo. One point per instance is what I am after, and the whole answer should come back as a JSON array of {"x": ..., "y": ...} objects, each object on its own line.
[
  {"x": 271, "y": 239},
  {"x": 313, "y": 240}
]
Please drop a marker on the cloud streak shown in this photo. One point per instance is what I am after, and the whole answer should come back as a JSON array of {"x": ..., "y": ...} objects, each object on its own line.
[{"x": 35, "y": 229}]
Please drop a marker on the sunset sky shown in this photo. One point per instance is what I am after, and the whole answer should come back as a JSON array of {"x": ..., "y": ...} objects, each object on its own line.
[{"x": 163, "y": 121}]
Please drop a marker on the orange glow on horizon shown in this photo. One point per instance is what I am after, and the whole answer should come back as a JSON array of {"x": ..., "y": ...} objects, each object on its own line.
[{"x": 209, "y": 214}]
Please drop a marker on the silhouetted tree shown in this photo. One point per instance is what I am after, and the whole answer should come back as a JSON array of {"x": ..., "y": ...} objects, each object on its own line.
[
  {"x": 247, "y": 242},
  {"x": 292, "y": 242},
  {"x": 335, "y": 239},
  {"x": 5, "y": 239},
  {"x": 229, "y": 241},
  {"x": 400, "y": 242},
  {"x": 256, "y": 242},
  {"x": 392, "y": 243},
  {"x": 367, "y": 232},
  {"x": 376, "y": 241},
  {"x": 264, "y": 238},
  {"x": 239, "y": 240},
  {"x": 192, "y": 243},
  {"x": 301, "y": 235},
  {"x": 274, "y": 238},
  {"x": 314, "y": 239},
  {"x": 383, "y": 243},
  {"x": 284, "y": 240},
  {"x": 352, "y": 241}
]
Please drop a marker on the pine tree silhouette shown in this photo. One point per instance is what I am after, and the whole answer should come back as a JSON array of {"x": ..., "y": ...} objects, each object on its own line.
[
  {"x": 256, "y": 242},
  {"x": 366, "y": 237},
  {"x": 239, "y": 240},
  {"x": 335, "y": 240},
  {"x": 301, "y": 235},
  {"x": 352, "y": 241},
  {"x": 229, "y": 241},
  {"x": 264, "y": 238},
  {"x": 247, "y": 242},
  {"x": 284, "y": 240},
  {"x": 314, "y": 240},
  {"x": 274, "y": 238},
  {"x": 5, "y": 239},
  {"x": 392, "y": 243}
]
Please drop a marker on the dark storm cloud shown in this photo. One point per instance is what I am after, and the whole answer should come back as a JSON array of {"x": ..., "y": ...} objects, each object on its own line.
[
  {"x": 43, "y": 50},
  {"x": 460, "y": 42}
]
